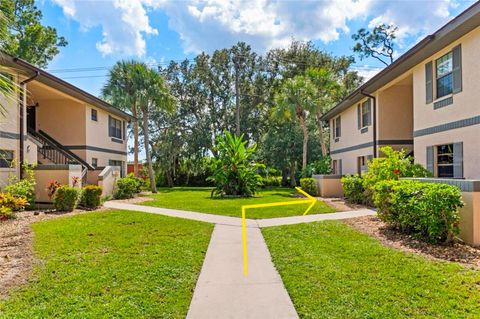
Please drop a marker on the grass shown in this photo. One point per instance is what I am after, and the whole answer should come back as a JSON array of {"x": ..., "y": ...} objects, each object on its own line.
[
  {"x": 333, "y": 271},
  {"x": 198, "y": 199},
  {"x": 114, "y": 263}
]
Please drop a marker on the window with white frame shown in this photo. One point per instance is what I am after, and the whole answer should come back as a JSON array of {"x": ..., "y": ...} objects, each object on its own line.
[
  {"x": 337, "y": 127},
  {"x": 444, "y": 75},
  {"x": 366, "y": 114},
  {"x": 115, "y": 128}
]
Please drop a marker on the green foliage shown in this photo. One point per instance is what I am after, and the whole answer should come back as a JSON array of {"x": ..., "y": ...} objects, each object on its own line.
[
  {"x": 271, "y": 181},
  {"x": 322, "y": 166},
  {"x": 65, "y": 198},
  {"x": 5, "y": 213},
  {"x": 378, "y": 43},
  {"x": 26, "y": 37},
  {"x": 91, "y": 196},
  {"x": 353, "y": 189},
  {"x": 391, "y": 166},
  {"x": 127, "y": 187},
  {"x": 427, "y": 210},
  {"x": 11, "y": 202},
  {"x": 309, "y": 185},
  {"x": 234, "y": 170},
  {"x": 24, "y": 188}
]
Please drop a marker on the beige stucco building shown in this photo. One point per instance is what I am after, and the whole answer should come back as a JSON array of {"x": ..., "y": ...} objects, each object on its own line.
[
  {"x": 59, "y": 127},
  {"x": 426, "y": 102}
]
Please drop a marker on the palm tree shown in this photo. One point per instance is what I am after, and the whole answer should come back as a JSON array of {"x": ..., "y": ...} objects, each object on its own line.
[
  {"x": 328, "y": 91},
  {"x": 154, "y": 95},
  {"x": 120, "y": 90},
  {"x": 297, "y": 97},
  {"x": 8, "y": 87}
]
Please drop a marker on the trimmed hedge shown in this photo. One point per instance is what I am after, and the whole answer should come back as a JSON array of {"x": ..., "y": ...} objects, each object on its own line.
[
  {"x": 353, "y": 189},
  {"x": 127, "y": 187},
  {"x": 65, "y": 198},
  {"x": 91, "y": 196},
  {"x": 309, "y": 185},
  {"x": 426, "y": 210}
]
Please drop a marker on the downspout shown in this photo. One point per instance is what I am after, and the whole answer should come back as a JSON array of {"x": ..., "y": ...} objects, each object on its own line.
[
  {"x": 374, "y": 121},
  {"x": 23, "y": 118}
]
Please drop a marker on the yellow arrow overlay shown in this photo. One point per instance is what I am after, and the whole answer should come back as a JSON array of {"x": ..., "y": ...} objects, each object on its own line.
[{"x": 312, "y": 201}]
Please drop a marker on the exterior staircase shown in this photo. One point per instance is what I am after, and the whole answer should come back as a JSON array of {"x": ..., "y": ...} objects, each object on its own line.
[{"x": 53, "y": 152}]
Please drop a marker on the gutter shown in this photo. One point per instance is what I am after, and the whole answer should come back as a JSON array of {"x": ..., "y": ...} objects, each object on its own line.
[
  {"x": 374, "y": 121},
  {"x": 23, "y": 117}
]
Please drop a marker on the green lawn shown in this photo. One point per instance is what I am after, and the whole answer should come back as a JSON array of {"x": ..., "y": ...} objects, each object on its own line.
[
  {"x": 333, "y": 271},
  {"x": 114, "y": 263},
  {"x": 198, "y": 199}
]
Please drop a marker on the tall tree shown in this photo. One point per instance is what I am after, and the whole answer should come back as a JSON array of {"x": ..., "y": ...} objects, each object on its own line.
[
  {"x": 26, "y": 37},
  {"x": 8, "y": 88},
  {"x": 154, "y": 95},
  {"x": 296, "y": 99},
  {"x": 120, "y": 90},
  {"x": 378, "y": 43},
  {"x": 328, "y": 90}
]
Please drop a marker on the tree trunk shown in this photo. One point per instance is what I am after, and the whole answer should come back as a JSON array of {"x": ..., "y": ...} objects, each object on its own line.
[
  {"x": 284, "y": 176},
  {"x": 305, "y": 142},
  {"x": 293, "y": 181},
  {"x": 322, "y": 137},
  {"x": 135, "y": 140},
  {"x": 237, "y": 103},
  {"x": 146, "y": 139},
  {"x": 168, "y": 175}
]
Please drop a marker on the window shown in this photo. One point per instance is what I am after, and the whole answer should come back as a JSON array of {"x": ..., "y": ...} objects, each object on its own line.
[
  {"x": 444, "y": 68},
  {"x": 94, "y": 115},
  {"x": 337, "y": 127},
  {"x": 6, "y": 158},
  {"x": 445, "y": 160},
  {"x": 334, "y": 167},
  {"x": 366, "y": 110},
  {"x": 95, "y": 162},
  {"x": 115, "y": 128}
]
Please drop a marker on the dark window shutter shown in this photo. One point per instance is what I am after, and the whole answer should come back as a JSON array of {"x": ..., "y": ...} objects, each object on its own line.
[
  {"x": 339, "y": 167},
  {"x": 332, "y": 129},
  {"x": 430, "y": 159},
  {"x": 457, "y": 69},
  {"x": 458, "y": 160},
  {"x": 359, "y": 116},
  {"x": 109, "y": 125},
  {"x": 369, "y": 106},
  {"x": 429, "y": 82},
  {"x": 339, "y": 123},
  {"x": 124, "y": 130}
]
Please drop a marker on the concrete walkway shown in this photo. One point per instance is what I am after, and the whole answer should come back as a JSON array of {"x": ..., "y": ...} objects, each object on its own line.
[{"x": 222, "y": 291}]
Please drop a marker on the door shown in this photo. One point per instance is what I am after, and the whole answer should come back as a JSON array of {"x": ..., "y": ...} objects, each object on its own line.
[{"x": 32, "y": 118}]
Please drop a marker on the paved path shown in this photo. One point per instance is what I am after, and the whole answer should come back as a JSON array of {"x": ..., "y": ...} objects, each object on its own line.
[{"x": 222, "y": 291}]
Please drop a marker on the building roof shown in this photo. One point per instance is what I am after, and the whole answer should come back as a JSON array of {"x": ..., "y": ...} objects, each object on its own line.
[
  {"x": 465, "y": 22},
  {"x": 61, "y": 85}
]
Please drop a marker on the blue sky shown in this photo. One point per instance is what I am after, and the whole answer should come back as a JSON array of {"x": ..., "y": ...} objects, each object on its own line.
[{"x": 101, "y": 32}]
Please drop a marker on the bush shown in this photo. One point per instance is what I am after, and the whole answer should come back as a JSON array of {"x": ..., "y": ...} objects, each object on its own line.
[
  {"x": 271, "y": 181},
  {"x": 309, "y": 185},
  {"x": 23, "y": 188},
  {"x": 5, "y": 213},
  {"x": 234, "y": 170},
  {"x": 353, "y": 189},
  {"x": 65, "y": 198},
  {"x": 91, "y": 196},
  {"x": 139, "y": 182},
  {"x": 426, "y": 210},
  {"x": 126, "y": 187},
  {"x": 12, "y": 203}
]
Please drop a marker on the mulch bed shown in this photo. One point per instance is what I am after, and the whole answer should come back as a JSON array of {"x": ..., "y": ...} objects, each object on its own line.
[
  {"x": 457, "y": 252},
  {"x": 16, "y": 255}
]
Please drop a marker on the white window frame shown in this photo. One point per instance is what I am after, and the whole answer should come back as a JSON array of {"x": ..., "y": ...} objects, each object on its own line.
[
  {"x": 335, "y": 126},
  {"x": 362, "y": 114}
]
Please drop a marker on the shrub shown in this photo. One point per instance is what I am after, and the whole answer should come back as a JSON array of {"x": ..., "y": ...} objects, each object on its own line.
[
  {"x": 234, "y": 170},
  {"x": 309, "y": 185},
  {"x": 322, "y": 166},
  {"x": 353, "y": 189},
  {"x": 23, "y": 188},
  {"x": 126, "y": 187},
  {"x": 91, "y": 196},
  {"x": 52, "y": 188},
  {"x": 65, "y": 198},
  {"x": 426, "y": 210},
  {"x": 13, "y": 203},
  {"x": 5, "y": 213},
  {"x": 271, "y": 181}
]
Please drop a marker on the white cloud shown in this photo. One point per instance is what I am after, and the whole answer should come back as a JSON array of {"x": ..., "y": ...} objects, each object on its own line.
[{"x": 124, "y": 23}]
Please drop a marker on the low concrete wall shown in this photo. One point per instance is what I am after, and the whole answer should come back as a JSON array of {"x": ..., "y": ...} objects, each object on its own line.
[
  {"x": 63, "y": 174},
  {"x": 107, "y": 179},
  {"x": 329, "y": 185},
  {"x": 92, "y": 176},
  {"x": 470, "y": 213}
]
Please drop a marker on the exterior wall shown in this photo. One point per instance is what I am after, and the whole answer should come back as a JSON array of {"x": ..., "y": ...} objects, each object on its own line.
[
  {"x": 464, "y": 106},
  {"x": 107, "y": 180},
  {"x": 470, "y": 136},
  {"x": 9, "y": 136},
  {"x": 349, "y": 159},
  {"x": 44, "y": 174},
  {"x": 329, "y": 185}
]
